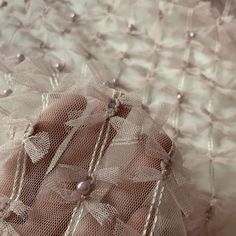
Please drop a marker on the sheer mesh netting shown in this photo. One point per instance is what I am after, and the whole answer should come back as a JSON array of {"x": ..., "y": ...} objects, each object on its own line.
[{"x": 93, "y": 163}]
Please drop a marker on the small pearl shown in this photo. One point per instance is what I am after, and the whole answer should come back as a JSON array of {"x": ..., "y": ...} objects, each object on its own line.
[
  {"x": 6, "y": 93},
  {"x": 74, "y": 17},
  {"x": 20, "y": 57},
  {"x": 59, "y": 67},
  {"x": 85, "y": 187},
  {"x": 114, "y": 81},
  {"x": 191, "y": 34},
  {"x": 131, "y": 27},
  {"x": 180, "y": 97}
]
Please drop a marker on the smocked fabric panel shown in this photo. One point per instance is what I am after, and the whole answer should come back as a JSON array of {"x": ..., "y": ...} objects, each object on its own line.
[{"x": 176, "y": 52}]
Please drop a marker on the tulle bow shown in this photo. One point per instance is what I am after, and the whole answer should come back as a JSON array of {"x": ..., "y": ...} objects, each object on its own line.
[
  {"x": 173, "y": 179},
  {"x": 67, "y": 175},
  {"x": 36, "y": 146},
  {"x": 6, "y": 207}
]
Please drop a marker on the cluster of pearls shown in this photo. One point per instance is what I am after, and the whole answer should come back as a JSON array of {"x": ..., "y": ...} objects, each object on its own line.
[{"x": 165, "y": 168}]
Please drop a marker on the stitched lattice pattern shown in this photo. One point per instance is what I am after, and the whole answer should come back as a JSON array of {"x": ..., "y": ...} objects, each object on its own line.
[{"x": 180, "y": 52}]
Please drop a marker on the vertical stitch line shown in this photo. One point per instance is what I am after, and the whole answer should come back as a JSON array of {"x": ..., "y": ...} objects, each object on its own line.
[
  {"x": 21, "y": 179},
  {"x": 72, "y": 225},
  {"x": 157, "y": 211},
  {"x": 17, "y": 173},
  {"x": 210, "y": 144},
  {"x": 154, "y": 196},
  {"x": 186, "y": 57},
  {"x": 91, "y": 165},
  {"x": 103, "y": 147}
]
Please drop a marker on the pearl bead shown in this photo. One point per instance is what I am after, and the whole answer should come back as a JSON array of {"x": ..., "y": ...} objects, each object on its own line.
[
  {"x": 74, "y": 17},
  {"x": 59, "y": 67},
  {"x": 6, "y": 93},
  {"x": 180, "y": 97},
  {"x": 114, "y": 80},
  {"x": 131, "y": 27},
  {"x": 20, "y": 57},
  {"x": 85, "y": 187},
  {"x": 191, "y": 34}
]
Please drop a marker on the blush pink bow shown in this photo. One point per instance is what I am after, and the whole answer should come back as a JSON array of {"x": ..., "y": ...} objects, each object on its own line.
[
  {"x": 36, "y": 146},
  {"x": 67, "y": 176},
  {"x": 6, "y": 207},
  {"x": 174, "y": 182}
]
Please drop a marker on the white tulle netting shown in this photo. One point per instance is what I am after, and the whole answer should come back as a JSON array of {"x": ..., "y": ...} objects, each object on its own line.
[{"x": 62, "y": 64}]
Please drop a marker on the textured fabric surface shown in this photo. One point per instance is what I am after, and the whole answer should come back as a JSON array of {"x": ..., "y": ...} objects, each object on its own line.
[{"x": 180, "y": 52}]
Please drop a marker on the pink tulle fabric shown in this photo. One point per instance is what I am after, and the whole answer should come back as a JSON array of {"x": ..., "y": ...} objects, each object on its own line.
[
  {"x": 89, "y": 91},
  {"x": 129, "y": 156}
]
